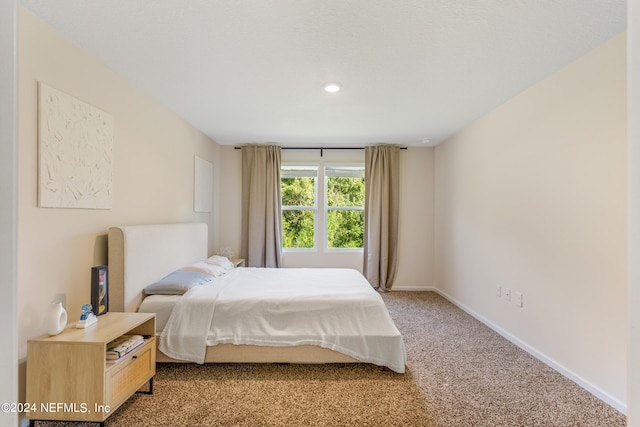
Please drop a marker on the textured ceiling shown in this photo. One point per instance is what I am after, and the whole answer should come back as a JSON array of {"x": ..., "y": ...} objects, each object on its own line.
[{"x": 252, "y": 71}]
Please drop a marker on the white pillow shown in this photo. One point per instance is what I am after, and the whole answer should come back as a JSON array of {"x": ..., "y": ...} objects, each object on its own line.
[
  {"x": 214, "y": 270},
  {"x": 221, "y": 261}
]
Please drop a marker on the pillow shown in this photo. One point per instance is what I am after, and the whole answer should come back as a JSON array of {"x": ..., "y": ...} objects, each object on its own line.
[
  {"x": 204, "y": 267},
  {"x": 177, "y": 283},
  {"x": 222, "y": 261}
]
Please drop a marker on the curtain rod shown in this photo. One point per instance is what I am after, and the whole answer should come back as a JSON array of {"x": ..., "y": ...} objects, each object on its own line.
[{"x": 321, "y": 148}]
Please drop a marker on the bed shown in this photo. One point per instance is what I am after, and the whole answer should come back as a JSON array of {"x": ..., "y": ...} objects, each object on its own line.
[{"x": 307, "y": 303}]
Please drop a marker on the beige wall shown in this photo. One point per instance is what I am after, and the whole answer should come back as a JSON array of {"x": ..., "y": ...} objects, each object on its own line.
[
  {"x": 230, "y": 198},
  {"x": 532, "y": 197},
  {"x": 415, "y": 268},
  {"x": 416, "y": 246},
  {"x": 152, "y": 176},
  {"x": 633, "y": 93}
]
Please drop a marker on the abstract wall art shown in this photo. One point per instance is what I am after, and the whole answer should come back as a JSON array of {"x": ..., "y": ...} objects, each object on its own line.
[{"x": 75, "y": 152}]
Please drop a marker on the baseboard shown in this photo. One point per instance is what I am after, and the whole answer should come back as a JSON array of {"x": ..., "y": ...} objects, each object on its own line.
[
  {"x": 413, "y": 288},
  {"x": 600, "y": 394}
]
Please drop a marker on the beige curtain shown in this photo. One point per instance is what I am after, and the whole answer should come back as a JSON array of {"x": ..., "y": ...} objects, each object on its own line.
[
  {"x": 261, "y": 206},
  {"x": 381, "y": 204}
]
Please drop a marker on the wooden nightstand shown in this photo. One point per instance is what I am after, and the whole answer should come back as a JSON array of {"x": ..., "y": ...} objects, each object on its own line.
[
  {"x": 237, "y": 262},
  {"x": 68, "y": 377}
]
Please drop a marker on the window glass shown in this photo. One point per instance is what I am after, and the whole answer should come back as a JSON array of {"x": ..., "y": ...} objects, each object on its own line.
[
  {"x": 345, "y": 205},
  {"x": 345, "y": 228},
  {"x": 298, "y": 228}
]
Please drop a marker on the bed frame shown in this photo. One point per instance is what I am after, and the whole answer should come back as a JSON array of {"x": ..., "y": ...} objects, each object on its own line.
[{"x": 142, "y": 254}]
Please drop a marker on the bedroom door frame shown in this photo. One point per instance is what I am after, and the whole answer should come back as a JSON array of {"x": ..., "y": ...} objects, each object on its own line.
[
  {"x": 633, "y": 233},
  {"x": 8, "y": 208}
]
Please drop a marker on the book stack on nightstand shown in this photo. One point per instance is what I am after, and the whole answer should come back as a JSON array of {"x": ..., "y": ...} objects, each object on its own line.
[{"x": 120, "y": 347}]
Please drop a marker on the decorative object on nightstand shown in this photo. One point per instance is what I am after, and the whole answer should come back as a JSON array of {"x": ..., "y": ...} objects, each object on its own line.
[
  {"x": 227, "y": 252},
  {"x": 87, "y": 318},
  {"x": 56, "y": 319}
]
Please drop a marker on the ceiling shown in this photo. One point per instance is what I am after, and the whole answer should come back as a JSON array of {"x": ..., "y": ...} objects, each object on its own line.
[{"x": 250, "y": 71}]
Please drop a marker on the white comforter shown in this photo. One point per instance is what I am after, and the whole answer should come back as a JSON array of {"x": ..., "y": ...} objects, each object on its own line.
[{"x": 331, "y": 308}]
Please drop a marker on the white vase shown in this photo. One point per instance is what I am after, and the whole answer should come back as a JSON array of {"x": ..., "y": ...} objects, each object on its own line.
[{"x": 57, "y": 319}]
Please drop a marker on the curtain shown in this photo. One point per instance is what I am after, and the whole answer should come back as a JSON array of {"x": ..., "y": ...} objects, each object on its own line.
[
  {"x": 381, "y": 204},
  {"x": 261, "y": 206}
]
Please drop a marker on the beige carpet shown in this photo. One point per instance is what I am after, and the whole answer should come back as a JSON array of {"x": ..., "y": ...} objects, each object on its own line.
[{"x": 460, "y": 373}]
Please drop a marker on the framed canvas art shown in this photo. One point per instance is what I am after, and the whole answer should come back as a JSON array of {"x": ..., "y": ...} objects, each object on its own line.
[{"x": 75, "y": 152}]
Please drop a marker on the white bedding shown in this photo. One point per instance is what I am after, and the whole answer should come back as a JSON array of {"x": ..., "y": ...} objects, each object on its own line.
[
  {"x": 162, "y": 306},
  {"x": 331, "y": 308}
]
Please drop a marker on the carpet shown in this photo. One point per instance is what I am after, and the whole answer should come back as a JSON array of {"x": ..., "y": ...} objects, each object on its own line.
[{"x": 459, "y": 373}]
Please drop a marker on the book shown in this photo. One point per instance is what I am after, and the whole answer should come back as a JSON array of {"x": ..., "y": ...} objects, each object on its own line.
[{"x": 123, "y": 345}]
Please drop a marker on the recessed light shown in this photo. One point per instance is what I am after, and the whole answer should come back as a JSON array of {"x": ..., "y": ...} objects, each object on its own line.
[
  {"x": 426, "y": 140},
  {"x": 332, "y": 87}
]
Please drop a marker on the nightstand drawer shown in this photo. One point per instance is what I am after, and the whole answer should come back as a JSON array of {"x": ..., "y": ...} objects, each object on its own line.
[{"x": 125, "y": 377}]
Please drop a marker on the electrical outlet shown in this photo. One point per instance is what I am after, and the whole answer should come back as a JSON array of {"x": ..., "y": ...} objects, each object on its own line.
[
  {"x": 518, "y": 299},
  {"x": 498, "y": 291},
  {"x": 507, "y": 294}
]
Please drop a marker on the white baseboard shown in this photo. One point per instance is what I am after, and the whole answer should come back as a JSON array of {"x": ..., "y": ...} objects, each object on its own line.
[
  {"x": 413, "y": 288},
  {"x": 600, "y": 394}
]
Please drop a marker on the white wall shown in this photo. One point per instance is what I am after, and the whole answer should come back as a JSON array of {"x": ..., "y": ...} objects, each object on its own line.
[
  {"x": 152, "y": 175},
  {"x": 633, "y": 91},
  {"x": 415, "y": 268},
  {"x": 533, "y": 197},
  {"x": 8, "y": 207}
]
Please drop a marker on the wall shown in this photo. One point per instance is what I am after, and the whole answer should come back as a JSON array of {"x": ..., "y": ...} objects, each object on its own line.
[
  {"x": 532, "y": 197},
  {"x": 633, "y": 93},
  {"x": 152, "y": 176},
  {"x": 416, "y": 241},
  {"x": 415, "y": 268},
  {"x": 8, "y": 207}
]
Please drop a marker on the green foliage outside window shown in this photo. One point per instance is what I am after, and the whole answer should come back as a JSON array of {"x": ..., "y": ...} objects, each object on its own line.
[
  {"x": 297, "y": 229},
  {"x": 345, "y": 227},
  {"x": 298, "y": 224},
  {"x": 342, "y": 191},
  {"x": 298, "y": 192}
]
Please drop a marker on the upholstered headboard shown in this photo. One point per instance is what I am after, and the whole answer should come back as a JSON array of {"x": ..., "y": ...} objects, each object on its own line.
[{"x": 141, "y": 254}]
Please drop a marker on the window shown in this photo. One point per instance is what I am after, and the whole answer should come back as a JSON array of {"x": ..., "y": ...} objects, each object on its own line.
[
  {"x": 299, "y": 201},
  {"x": 342, "y": 198},
  {"x": 344, "y": 190}
]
